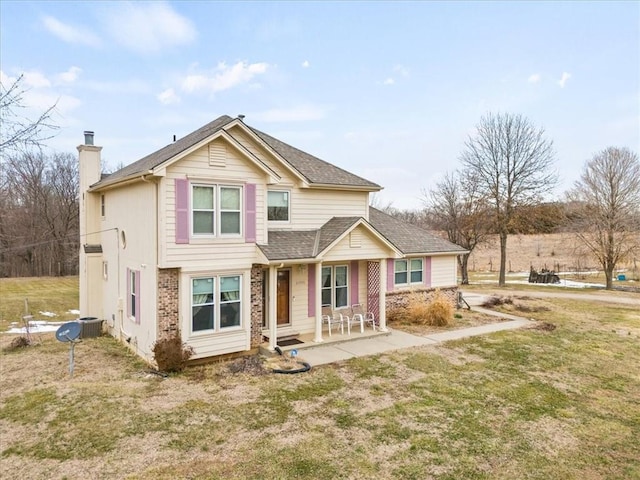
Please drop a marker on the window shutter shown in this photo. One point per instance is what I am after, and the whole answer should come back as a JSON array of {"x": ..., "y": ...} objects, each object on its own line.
[
  {"x": 137, "y": 277},
  {"x": 128, "y": 292},
  {"x": 250, "y": 212},
  {"x": 390, "y": 274},
  {"x": 311, "y": 290},
  {"x": 427, "y": 271},
  {"x": 182, "y": 210},
  {"x": 354, "y": 283}
]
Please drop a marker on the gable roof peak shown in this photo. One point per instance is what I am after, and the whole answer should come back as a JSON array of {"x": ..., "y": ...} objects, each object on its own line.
[{"x": 313, "y": 169}]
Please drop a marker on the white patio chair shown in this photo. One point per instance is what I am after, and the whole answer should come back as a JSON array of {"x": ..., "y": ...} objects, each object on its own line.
[
  {"x": 332, "y": 318},
  {"x": 352, "y": 318},
  {"x": 363, "y": 317}
]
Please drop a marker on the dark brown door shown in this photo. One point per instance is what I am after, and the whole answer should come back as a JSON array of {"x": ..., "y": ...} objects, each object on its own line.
[{"x": 283, "y": 296}]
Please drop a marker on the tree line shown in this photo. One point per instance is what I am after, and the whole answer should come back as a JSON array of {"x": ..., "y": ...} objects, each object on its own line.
[
  {"x": 39, "y": 210},
  {"x": 507, "y": 171}
]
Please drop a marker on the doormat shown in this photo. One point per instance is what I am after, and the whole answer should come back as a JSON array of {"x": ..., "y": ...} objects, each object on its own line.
[{"x": 291, "y": 341}]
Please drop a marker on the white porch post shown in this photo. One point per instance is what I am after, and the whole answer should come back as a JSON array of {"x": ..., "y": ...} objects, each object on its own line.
[
  {"x": 273, "y": 307},
  {"x": 318, "y": 294},
  {"x": 382, "y": 301}
]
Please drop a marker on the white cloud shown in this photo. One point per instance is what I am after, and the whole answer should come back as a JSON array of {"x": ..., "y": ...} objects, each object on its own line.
[
  {"x": 306, "y": 64},
  {"x": 563, "y": 79},
  {"x": 224, "y": 77},
  {"x": 402, "y": 70},
  {"x": 534, "y": 78},
  {"x": 300, "y": 113},
  {"x": 149, "y": 27},
  {"x": 69, "y": 33},
  {"x": 35, "y": 80},
  {"x": 389, "y": 81},
  {"x": 168, "y": 97},
  {"x": 41, "y": 100},
  {"x": 131, "y": 86},
  {"x": 69, "y": 76}
]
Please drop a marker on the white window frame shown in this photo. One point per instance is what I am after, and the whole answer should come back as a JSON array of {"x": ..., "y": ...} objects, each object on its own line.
[
  {"x": 333, "y": 287},
  {"x": 217, "y": 211},
  {"x": 133, "y": 294},
  {"x": 408, "y": 271},
  {"x": 217, "y": 304},
  {"x": 288, "y": 193}
]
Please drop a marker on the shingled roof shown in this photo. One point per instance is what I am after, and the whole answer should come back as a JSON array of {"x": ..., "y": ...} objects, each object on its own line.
[
  {"x": 307, "y": 244},
  {"x": 408, "y": 238},
  {"x": 297, "y": 244},
  {"x": 313, "y": 169}
]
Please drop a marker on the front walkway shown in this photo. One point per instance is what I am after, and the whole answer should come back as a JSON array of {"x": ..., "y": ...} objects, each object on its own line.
[
  {"x": 397, "y": 340},
  {"x": 380, "y": 342}
]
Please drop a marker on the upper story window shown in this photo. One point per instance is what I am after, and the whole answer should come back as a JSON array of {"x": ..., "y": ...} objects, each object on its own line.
[
  {"x": 216, "y": 210},
  {"x": 408, "y": 271},
  {"x": 102, "y": 206},
  {"x": 278, "y": 206}
]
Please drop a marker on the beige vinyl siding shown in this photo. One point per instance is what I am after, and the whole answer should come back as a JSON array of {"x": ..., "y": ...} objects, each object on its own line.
[
  {"x": 369, "y": 247},
  {"x": 123, "y": 212},
  {"x": 230, "y": 251},
  {"x": 218, "y": 344},
  {"x": 312, "y": 208},
  {"x": 443, "y": 271}
]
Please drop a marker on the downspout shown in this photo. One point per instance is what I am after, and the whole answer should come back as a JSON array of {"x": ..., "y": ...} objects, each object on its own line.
[{"x": 127, "y": 336}]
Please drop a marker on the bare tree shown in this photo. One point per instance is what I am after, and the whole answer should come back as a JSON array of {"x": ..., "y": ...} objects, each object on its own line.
[
  {"x": 608, "y": 193},
  {"x": 19, "y": 132},
  {"x": 39, "y": 220},
  {"x": 511, "y": 160},
  {"x": 458, "y": 207}
]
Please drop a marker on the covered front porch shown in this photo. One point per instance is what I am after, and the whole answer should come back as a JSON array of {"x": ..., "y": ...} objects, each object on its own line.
[
  {"x": 307, "y": 340},
  {"x": 298, "y": 297},
  {"x": 342, "y": 264}
]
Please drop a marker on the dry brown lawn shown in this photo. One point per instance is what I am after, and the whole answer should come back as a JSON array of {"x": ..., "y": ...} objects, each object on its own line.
[{"x": 558, "y": 251}]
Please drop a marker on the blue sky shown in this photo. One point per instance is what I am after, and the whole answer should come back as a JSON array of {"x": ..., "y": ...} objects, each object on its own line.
[{"x": 387, "y": 90}]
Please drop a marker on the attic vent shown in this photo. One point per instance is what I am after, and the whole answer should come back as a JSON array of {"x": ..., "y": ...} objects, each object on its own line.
[
  {"x": 355, "y": 239},
  {"x": 217, "y": 154}
]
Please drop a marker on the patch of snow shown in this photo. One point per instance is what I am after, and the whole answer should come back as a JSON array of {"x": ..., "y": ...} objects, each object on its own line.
[
  {"x": 48, "y": 314},
  {"x": 36, "y": 326},
  {"x": 74, "y": 312}
]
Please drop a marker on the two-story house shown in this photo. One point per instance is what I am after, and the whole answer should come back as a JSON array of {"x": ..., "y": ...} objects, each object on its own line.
[{"x": 229, "y": 236}]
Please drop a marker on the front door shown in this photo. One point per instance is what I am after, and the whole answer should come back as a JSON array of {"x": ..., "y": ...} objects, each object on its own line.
[{"x": 283, "y": 294}]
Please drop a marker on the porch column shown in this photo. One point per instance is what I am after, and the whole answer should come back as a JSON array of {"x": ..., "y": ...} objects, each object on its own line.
[
  {"x": 272, "y": 314},
  {"x": 318, "y": 294},
  {"x": 382, "y": 314}
]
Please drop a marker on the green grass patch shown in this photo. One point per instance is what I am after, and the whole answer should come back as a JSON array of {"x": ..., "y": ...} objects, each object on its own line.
[{"x": 47, "y": 294}]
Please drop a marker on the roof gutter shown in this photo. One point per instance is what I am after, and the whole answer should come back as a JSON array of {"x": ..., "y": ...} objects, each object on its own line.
[
  {"x": 134, "y": 177},
  {"x": 358, "y": 188}
]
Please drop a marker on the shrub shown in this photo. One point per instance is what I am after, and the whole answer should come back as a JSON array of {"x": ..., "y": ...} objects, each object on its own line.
[
  {"x": 497, "y": 301},
  {"x": 418, "y": 311},
  {"x": 171, "y": 354},
  {"x": 439, "y": 310},
  {"x": 20, "y": 342}
]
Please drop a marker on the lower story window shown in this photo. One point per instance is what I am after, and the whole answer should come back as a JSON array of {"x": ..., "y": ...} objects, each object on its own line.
[
  {"x": 408, "y": 271},
  {"x": 335, "y": 289},
  {"x": 215, "y": 303}
]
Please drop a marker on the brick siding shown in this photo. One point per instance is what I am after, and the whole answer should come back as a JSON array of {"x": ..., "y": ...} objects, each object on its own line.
[
  {"x": 256, "y": 305},
  {"x": 399, "y": 298},
  {"x": 168, "y": 291}
]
